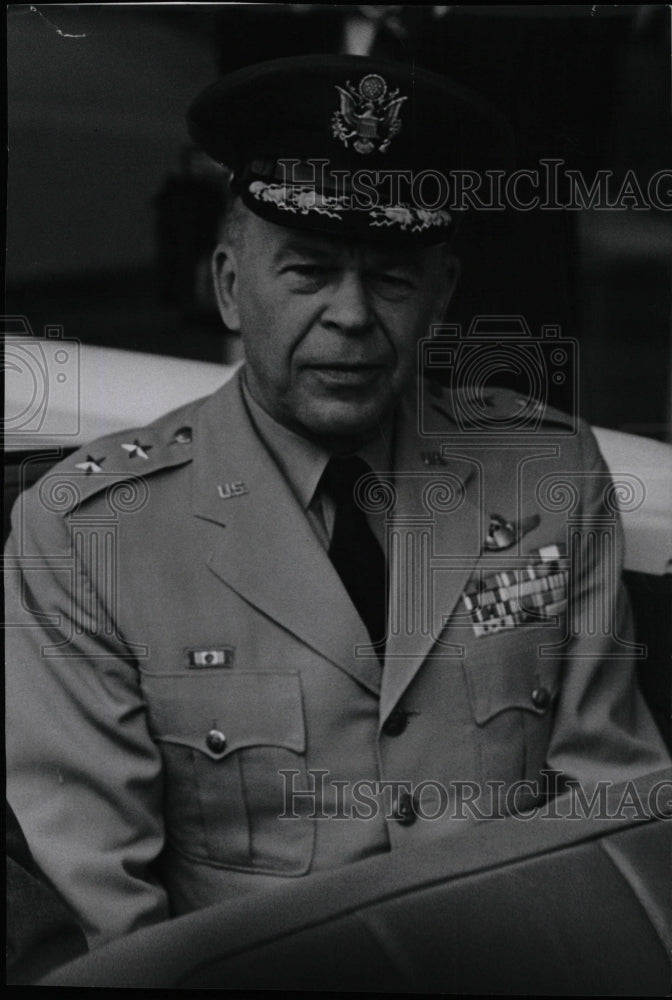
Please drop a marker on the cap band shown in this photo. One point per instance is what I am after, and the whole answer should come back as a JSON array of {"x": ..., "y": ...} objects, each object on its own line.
[
  {"x": 348, "y": 145},
  {"x": 304, "y": 198}
]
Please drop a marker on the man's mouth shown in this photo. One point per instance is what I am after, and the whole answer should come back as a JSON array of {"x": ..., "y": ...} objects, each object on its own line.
[{"x": 347, "y": 374}]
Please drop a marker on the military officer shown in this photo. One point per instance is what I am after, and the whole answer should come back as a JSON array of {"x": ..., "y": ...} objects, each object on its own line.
[{"x": 290, "y": 625}]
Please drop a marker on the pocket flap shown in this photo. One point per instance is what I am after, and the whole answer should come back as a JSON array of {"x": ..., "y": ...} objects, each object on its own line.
[
  {"x": 495, "y": 687},
  {"x": 247, "y": 708}
]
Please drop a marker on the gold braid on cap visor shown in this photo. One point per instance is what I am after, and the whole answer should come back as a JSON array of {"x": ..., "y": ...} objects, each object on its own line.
[{"x": 301, "y": 199}]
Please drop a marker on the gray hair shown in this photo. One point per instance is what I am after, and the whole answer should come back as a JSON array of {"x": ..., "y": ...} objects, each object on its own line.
[{"x": 232, "y": 227}]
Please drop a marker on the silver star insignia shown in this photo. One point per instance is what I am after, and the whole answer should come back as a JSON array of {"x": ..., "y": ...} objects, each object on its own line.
[
  {"x": 91, "y": 465},
  {"x": 137, "y": 450}
]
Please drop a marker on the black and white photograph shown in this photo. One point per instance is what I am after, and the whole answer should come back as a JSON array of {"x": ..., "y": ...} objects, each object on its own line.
[{"x": 338, "y": 479}]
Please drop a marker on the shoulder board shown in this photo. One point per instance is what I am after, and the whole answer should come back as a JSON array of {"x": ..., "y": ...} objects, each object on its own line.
[
  {"x": 123, "y": 457},
  {"x": 470, "y": 408}
]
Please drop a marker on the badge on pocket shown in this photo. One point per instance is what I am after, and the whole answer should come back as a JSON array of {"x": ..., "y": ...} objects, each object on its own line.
[{"x": 211, "y": 657}]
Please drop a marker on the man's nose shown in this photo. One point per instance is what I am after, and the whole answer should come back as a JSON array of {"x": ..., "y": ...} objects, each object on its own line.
[{"x": 349, "y": 308}]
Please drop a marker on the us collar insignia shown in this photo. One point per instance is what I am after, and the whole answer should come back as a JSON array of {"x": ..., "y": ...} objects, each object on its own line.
[
  {"x": 369, "y": 114},
  {"x": 503, "y": 534}
]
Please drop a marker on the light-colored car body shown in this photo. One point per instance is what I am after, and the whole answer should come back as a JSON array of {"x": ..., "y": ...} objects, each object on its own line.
[{"x": 61, "y": 393}]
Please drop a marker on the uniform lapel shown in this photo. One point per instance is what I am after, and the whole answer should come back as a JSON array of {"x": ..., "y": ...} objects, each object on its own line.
[
  {"x": 267, "y": 551},
  {"x": 434, "y": 541}
]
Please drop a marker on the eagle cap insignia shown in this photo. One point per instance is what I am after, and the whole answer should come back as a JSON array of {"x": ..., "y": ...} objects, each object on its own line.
[{"x": 369, "y": 114}]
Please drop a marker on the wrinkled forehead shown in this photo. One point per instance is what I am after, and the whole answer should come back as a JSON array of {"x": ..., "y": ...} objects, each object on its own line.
[{"x": 281, "y": 242}]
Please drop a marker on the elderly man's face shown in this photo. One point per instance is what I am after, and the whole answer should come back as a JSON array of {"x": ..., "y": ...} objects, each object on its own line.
[{"x": 329, "y": 328}]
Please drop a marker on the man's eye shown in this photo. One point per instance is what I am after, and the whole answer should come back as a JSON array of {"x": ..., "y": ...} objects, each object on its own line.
[
  {"x": 306, "y": 275},
  {"x": 391, "y": 284},
  {"x": 307, "y": 269}
]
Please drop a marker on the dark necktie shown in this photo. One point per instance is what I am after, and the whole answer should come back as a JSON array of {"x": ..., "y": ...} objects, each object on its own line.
[{"x": 354, "y": 549}]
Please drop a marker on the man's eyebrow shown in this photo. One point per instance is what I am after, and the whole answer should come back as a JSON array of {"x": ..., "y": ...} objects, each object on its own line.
[{"x": 298, "y": 247}]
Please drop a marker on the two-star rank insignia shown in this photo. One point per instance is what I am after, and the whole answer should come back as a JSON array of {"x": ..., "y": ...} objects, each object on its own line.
[
  {"x": 91, "y": 465},
  {"x": 137, "y": 450}
]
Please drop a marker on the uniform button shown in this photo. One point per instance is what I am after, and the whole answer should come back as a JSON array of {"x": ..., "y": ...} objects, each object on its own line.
[
  {"x": 665, "y": 809},
  {"x": 404, "y": 812},
  {"x": 215, "y": 741},
  {"x": 183, "y": 436},
  {"x": 541, "y": 697},
  {"x": 395, "y": 723}
]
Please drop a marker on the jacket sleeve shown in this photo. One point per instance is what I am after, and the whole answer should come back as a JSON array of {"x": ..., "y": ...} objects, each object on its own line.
[
  {"x": 41, "y": 932},
  {"x": 603, "y": 728},
  {"x": 83, "y": 775}
]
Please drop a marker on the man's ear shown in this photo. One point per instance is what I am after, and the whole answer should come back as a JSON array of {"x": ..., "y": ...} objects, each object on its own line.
[{"x": 225, "y": 279}]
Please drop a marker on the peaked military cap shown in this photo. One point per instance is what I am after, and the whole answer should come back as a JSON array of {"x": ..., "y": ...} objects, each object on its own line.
[{"x": 348, "y": 145}]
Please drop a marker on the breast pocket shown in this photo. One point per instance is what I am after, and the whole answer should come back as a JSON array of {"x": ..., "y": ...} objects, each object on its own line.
[
  {"x": 513, "y": 692},
  {"x": 226, "y": 737}
]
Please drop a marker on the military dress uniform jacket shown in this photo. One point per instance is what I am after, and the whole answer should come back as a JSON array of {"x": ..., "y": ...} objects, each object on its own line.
[{"x": 183, "y": 660}]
